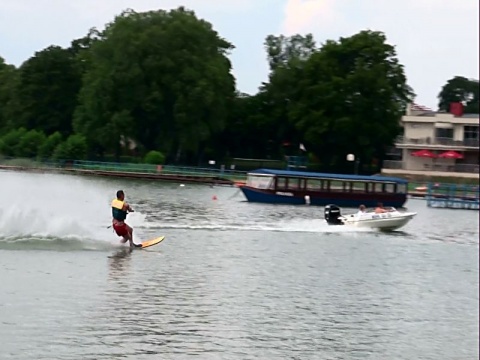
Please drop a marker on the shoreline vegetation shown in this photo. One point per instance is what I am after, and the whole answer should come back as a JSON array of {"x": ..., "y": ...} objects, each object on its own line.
[
  {"x": 158, "y": 87},
  {"x": 178, "y": 174}
]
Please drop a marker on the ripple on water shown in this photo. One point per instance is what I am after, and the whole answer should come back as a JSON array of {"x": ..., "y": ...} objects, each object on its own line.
[{"x": 234, "y": 280}]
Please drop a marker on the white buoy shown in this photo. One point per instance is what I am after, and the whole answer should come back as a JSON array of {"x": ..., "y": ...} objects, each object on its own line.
[
  {"x": 182, "y": 185},
  {"x": 307, "y": 200}
]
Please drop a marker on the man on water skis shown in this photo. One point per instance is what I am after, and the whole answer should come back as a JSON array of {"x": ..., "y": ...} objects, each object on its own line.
[{"x": 120, "y": 209}]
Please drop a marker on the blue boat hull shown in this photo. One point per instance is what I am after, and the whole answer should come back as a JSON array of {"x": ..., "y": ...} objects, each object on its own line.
[{"x": 321, "y": 199}]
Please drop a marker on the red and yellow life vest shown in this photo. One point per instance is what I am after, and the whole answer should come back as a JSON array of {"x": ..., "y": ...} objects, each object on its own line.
[{"x": 118, "y": 211}]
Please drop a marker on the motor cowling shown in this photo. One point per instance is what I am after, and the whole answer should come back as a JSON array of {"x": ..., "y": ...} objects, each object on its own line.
[{"x": 332, "y": 215}]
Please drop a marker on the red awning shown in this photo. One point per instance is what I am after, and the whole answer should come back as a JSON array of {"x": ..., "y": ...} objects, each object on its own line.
[
  {"x": 450, "y": 154},
  {"x": 424, "y": 153}
]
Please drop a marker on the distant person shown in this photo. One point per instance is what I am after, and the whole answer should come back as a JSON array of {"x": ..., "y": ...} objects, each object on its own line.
[
  {"x": 361, "y": 210},
  {"x": 120, "y": 209},
  {"x": 380, "y": 209}
]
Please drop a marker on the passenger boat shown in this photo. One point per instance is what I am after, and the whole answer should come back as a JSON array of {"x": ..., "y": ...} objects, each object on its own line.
[{"x": 302, "y": 187}]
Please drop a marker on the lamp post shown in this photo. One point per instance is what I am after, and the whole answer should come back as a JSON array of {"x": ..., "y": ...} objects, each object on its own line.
[
  {"x": 351, "y": 158},
  {"x": 212, "y": 163}
]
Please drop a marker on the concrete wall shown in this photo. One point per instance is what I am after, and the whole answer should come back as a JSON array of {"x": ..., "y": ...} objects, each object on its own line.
[{"x": 419, "y": 130}]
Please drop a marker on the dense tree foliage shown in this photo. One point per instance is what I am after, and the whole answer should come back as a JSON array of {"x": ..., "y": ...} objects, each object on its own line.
[
  {"x": 160, "y": 79},
  {"x": 8, "y": 75},
  {"x": 45, "y": 92},
  {"x": 460, "y": 89},
  {"x": 158, "y": 86}
]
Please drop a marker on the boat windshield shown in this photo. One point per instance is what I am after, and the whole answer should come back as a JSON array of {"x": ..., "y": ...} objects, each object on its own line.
[{"x": 260, "y": 182}]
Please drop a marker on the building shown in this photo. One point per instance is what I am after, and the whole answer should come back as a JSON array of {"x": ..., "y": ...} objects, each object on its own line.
[{"x": 446, "y": 143}]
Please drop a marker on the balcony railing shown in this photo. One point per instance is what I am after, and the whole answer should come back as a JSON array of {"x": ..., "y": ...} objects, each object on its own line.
[
  {"x": 471, "y": 143},
  {"x": 459, "y": 168}
]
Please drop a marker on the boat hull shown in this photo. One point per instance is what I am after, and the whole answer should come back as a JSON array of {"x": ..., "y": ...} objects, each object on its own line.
[
  {"x": 342, "y": 199},
  {"x": 384, "y": 222}
]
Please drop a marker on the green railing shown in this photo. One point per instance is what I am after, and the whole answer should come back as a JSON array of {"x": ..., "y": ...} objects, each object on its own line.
[
  {"x": 233, "y": 175},
  {"x": 113, "y": 166},
  {"x": 159, "y": 169}
]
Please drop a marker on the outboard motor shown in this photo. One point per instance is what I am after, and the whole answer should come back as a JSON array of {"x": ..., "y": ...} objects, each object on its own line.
[{"x": 332, "y": 214}]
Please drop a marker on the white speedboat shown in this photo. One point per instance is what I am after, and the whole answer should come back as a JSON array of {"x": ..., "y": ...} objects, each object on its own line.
[{"x": 387, "y": 221}]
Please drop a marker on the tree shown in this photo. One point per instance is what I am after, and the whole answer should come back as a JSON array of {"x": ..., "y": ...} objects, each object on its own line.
[
  {"x": 46, "y": 91},
  {"x": 161, "y": 79},
  {"x": 9, "y": 143},
  {"x": 287, "y": 56},
  {"x": 74, "y": 148},
  {"x": 285, "y": 51},
  {"x": 248, "y": 129},
  {"x": 45, "y": 151},
  {"x": 154, "y": 157},
  {"x": 460, "y": 89},
  {"x": 8, "y": 76},
  {"x": 29, "y": 143},
  {"x": 349, "y": 98}
]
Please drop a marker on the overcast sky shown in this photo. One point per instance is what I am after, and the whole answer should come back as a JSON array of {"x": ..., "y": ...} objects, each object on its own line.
[{"x": 435, "y": 39}]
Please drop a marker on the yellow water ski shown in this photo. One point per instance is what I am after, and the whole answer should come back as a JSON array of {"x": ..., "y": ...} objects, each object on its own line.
[{"x": 151, "y": 242}]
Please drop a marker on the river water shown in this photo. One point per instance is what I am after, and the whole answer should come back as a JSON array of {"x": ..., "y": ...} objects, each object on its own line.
[{"x": 232, "y": 280}]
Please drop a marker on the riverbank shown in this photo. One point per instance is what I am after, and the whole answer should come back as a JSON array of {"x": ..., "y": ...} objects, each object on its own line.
[
  {"x": 417, "y": 188},
  {"x": 190, "y": 175},
  {"x": 183, "y": 178}
]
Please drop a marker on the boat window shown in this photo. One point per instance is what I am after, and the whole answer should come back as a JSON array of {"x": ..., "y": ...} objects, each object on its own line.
[
  {"x": 281, "y": 183},
  {"x": 336, "y": 185},
  {"x": 359, "y": 186},
  {"x": 389, "y": 188},
  {"x": 326, "y": 185},
  {"x": 314, "y": 184},
  {"x": 402, "y": 188},
  {"x": 303, "y": 183},
  {"x": 260, "y": 182},
  {"x": 371, "y": 187},
  {"x": 292, "y": 183}
]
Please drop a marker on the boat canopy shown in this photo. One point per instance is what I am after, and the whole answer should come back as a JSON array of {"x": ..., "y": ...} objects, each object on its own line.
[{"x": 306, "y": 174}]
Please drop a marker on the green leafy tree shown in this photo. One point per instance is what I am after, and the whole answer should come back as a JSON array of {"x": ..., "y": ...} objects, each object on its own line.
[
  {"x": 45, "y": 151},
  {"x": 29, "y": 143},
  {"x": 287, "y": 57},
  {"x": 460, "y": 89},
  {"x": 258, "y": 125},
  {"x": 349, "y": 98},
  {"x": 250, "y": 132},
  {"x": 8, "y": 77},
  {"x": 9, "y": 143},
  {"x": 154, "y": 157},
  {"x": 161, "y": 79},
  {"x": 46, "y": 91},
  {"x": 74, "y": 148},
  {"x": 283, "y": 51}
]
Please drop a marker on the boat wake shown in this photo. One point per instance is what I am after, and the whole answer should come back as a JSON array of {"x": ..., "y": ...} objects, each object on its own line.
[
  {"x": 22, "y": 229},
  {"x": 300, "y": 226},
  {"x": 69, "y": 243},
  {"x": 47, "y": 214}
]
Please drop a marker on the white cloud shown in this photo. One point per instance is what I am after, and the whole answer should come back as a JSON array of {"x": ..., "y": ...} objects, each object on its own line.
[{"x": 301, "y": 15}]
